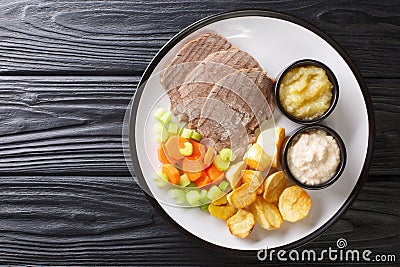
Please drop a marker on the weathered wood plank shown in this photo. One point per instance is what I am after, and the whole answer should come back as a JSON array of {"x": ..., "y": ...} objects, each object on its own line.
[
  {"x": 70, "y": 125},
  {"x": 80, "y": 220},
  {"x": 121, "y": 37}
]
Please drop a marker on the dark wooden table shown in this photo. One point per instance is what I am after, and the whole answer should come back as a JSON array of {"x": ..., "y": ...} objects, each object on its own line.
[{"x": 68, "y": 71}]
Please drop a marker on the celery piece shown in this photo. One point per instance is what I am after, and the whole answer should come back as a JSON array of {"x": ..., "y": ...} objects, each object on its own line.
[
  {"x": 173, "y": 128},
  {"x": 204, "y": 207},
  {"x": 178, "y": 195},
  {"x": 192, "y": 184},
  {"x": 161, "y": 137},
  {"x": 184, "y": 180},
  {"x": 166, "y": 117},
  {"x": 214, "y": 192},
  {"x": 160, "y": 180},
  {"x": 159, "y": 127},
  {"x": 186, "y": 133},
  {"x": 221, "y": 164},
  {"x": 162, "y": 133},
  {"x": 163, "y": 176},
  {"x": 203, "y": 196},
  {"x": 227, "y": 154},
  {"x": 223, "y": 185},
  {"x": 187, "y": 150},
  {"x": 192, "y": 197},
  {"x": 196, "y": 136},
  {"x": 158, "y": 113}
]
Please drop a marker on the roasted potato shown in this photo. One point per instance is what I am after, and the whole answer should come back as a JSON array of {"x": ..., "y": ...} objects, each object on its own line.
[
  {"x": 257, "y": 159},
  {"x": 294, "y": 204},
  {"x": 220, "y": 201},
  {"x": 241, "y": 196},
  {"x": 253, "y": 178},
  {"x": 279, "y": 137},
  {"x": 260, "y": 189},
  {"x": 223, "y": 212},
  {"x": 241, "y": 224},
  {"x": 271, "y": 141},
  {"x": 234, "y": 173},
  {"x": 273, "y": 186},
  {"x": 267, "y": 215}
]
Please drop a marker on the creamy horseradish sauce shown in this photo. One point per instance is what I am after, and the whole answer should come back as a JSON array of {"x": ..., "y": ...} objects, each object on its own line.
[{"x": 314, "y": 157}]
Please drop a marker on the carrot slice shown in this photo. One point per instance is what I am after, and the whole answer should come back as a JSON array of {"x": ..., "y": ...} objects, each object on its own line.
[
  {"x": 213, "y": 173},
  {"x": 202, "y": 181},
  {"x": 161, "y": 155},
  {"x": 194, "y": 176},
  {"x": 171, "y": 147},
  {"x": 192, "y": 165},
  {"x": 171, "y": 172},
  {"x": 199, "y": 150}
]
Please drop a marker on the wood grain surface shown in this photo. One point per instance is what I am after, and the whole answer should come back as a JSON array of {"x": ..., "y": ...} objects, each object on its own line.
[{"x": 68, "y": 70}]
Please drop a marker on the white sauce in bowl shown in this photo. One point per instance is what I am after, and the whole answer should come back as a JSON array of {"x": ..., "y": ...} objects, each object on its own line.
[{"x": 314, "y": 157}]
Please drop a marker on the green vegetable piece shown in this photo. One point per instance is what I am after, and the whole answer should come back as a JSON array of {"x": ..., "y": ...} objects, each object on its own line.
[
  {"x": 186, "y": 133},
  {"x": 223, "y": 185},
  {"x": 166, "y": 117},
  {"x": 192, "y": 197},
  {"x": 178, "y": 195},
  {"x": 158, "y": 113},
  {"x": 161, "y": 179},
  {"x": 184, "y": 180},
  {"x": 163, "y": 176},
  {"x": 227, "y": 154},
  {"x": 161, "y": 137},
  {"x": 159, "y": 127},
  {"x": 192, "y": 184},
  {"x": 214, "y": 192},
  {"x": 196, "y": 136},
  {"x": 203, "y": 196},
  {"x": 161, "y": 183},
  {"x": 173, "y": 128},
  {"x": 204, "y": 207},
  {"x": 221, "y": 164},
  {"x": 187, "y": 150}
]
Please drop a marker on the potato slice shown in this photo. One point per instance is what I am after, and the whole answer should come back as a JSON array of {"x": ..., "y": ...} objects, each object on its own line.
[
  {"x": 273, "y": 186},
  {"x": 253, "y": 178},
  {"x": 260, "y": 189},
  {"x": 241, "y": 224},
  {"x": 241, "y": 197},
  {"x": 257, "y": 159},
  {"x": 294, "y": 204},
  {"x": 223, "y": 212},
  {"x": 220, "y": 201},
  {"x": 234, "y": 173},
  {"x": 271, "y": 141},
  {"x": 267, "y": 215},
  {"x": 279, "y": 137}
]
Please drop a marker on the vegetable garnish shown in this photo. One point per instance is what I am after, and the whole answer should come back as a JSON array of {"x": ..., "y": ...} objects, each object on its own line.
[
  {"x": 187, "y": 150},
  {"x": 220, "y": 163},
  {"x": 189, "y": 163}
]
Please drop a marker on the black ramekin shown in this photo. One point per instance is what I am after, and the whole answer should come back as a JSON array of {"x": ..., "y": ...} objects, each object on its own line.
[
  {"x": 293, "y": 137},
  {"x": 332, "y": 79}
]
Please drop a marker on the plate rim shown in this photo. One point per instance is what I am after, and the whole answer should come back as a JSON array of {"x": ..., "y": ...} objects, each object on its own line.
[{"x": 263, "y": 13}]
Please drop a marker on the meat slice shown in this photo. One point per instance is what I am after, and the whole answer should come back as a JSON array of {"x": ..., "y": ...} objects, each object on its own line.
[
  {"x": 187, "y": 58},
  {"x": 235, "y": 107},
  {"x": 202, "y": 79}
]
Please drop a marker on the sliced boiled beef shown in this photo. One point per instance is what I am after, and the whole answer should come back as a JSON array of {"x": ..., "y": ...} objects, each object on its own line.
[
  {"x": 236, "y": 105},
  {"x": 201, "y": 80},
  {"x": 187, "y": 58}
]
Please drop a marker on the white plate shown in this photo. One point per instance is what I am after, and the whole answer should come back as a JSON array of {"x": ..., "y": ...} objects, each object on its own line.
[{"x": 275, "y": 40}]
